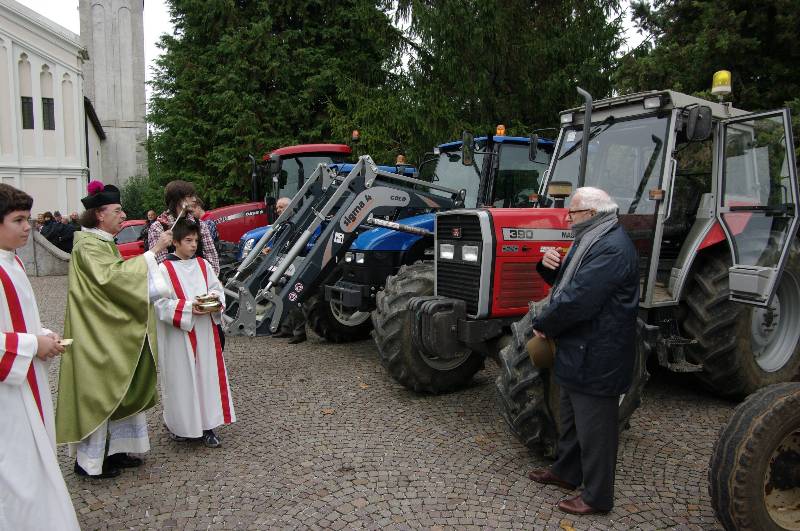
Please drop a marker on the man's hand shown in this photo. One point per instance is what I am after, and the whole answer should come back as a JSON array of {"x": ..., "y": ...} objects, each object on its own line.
[
  {"x": 48, "y": 347},
  {"x": 551, "y": 259},
  {"x": 164, "y": 241},
  {"x": 539, "y": 334}
]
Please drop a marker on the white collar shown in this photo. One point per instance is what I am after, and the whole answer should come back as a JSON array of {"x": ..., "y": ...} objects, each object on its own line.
[
  {"x": 103, "y": 235},
  {"x": 8, "y": 256}
]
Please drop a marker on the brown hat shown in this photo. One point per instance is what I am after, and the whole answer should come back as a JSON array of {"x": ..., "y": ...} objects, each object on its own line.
[
  {"x": 100, "y": 195},
  {"x": 542, "y": 352}
]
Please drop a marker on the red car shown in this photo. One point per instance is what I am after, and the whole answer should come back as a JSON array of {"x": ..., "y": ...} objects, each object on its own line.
[{"x": 129, "y": 239}]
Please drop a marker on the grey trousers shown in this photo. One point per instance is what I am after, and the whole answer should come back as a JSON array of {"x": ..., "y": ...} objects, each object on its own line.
[
  {"x": 587, "y": 446},
  {"x": 294, "y": 323}
]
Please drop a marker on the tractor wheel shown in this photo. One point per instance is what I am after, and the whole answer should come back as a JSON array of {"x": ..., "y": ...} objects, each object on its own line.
[
  {"x": 754, "y": 474},
  {"x": 743, "y": 348},
  {"x": 392, "y": 323},
  {"x": 529, "y": 397},
  {"x": 335, "y": 323}
]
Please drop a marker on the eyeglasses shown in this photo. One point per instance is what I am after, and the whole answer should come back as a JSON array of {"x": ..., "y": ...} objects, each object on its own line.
[{"x": 571, "y": 212}]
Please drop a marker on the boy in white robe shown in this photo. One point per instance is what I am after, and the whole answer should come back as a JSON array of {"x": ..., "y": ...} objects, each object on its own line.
[
  {"x": 32, "y": 491},
  {"x": 194, "y": 382}
]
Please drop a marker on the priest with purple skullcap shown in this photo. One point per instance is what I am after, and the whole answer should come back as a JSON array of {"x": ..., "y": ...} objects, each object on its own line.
[{"x": 108, "y": 375}]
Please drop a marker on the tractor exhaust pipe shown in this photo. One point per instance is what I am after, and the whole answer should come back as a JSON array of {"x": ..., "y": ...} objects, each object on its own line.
[{"x": 587, "y": 128}]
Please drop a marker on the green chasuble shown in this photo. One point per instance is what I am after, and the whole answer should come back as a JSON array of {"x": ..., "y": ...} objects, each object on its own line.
[{"x": 109, "y": 371}]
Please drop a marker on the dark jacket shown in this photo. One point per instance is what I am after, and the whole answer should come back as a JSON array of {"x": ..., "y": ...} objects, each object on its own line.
[
  {"x": 593, "y": 320},
  {"x": 60, "y": 235}
]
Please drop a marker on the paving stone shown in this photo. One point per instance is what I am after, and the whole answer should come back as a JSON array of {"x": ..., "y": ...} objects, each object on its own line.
[{"x": 385, "y": 457}]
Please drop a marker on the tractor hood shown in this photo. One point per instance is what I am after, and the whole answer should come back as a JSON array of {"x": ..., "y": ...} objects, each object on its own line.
[{"x": 381, "y": 239}]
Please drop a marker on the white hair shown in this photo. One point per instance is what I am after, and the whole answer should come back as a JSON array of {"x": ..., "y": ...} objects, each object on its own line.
[{"x": 596, "y": 199}]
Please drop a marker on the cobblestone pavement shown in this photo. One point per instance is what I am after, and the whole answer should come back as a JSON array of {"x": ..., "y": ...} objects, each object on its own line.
[{"x": 326, "y": 439}]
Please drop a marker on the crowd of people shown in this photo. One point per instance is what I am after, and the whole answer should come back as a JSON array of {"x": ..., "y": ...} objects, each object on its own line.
[
  {"x": 119, "y": 314},
  {"x": 168, "y": 301},
  {"x": 58, "y": 229}
]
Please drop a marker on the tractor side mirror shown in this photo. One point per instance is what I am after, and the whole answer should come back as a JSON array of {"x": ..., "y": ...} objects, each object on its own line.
[
  {"x": 698, "y": 123},
  {"x": 533, "y": 147},
  {"x": 467, "y": 149}
]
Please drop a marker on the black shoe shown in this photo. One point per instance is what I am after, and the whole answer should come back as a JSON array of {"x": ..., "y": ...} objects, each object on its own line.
[
  {"x": 108, "y": 471},
  {"x": 123, "y": 461},
  {"x": 180, "y": 438},
  {"x": 211, "y": 440},
  {"x": 279, "y": 335},
  {"x": 297, "y": 339}
]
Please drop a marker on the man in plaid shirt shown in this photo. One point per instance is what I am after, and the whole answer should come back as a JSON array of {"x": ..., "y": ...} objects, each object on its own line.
[{"x": 176, "y": 195}]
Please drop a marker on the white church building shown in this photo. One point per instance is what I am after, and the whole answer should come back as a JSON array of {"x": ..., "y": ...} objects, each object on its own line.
[{"x": 71, "y": 107}]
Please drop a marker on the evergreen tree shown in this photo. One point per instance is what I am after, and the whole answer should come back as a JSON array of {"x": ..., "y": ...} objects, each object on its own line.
[
  {"x": 471, "y": 64},
  {"x": 691, "y": 39},
  {"x": 247, "y": 76}
]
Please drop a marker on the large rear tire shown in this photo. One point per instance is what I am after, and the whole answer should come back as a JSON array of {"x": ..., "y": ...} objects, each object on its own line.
[
  {"x": 754, "y": 474},
  {"x": 335, "y": 323},
  {"x": 392, "y": 323},
  {"x": 742, "y": 348},
  {"x": 529, "y": 396}
]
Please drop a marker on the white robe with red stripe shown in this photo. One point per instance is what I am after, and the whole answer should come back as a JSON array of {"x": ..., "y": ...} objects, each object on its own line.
[
  {"x": 194, "y": 382},
  {"x": 32, "y": 491}
]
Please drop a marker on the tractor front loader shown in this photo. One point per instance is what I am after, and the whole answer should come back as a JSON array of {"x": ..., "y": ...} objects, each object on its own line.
[{"x": 307, "y": 241}]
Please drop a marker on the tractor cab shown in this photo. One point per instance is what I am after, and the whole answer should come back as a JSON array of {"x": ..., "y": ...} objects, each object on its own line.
[
  {"x": 688, "y": 174},
  {"x": 284, "y": 170}
]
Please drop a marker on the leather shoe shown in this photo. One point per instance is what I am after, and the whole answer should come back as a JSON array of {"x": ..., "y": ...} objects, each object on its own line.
[
  {"x": 545, "y": 476},
  {"x": 108, "y": 471},
  {"x": 123, "y": 461},
  {"x": 297, "y": 339},
  {"x": 576, "y": 505},
  {"x": 279, "y": 335}
]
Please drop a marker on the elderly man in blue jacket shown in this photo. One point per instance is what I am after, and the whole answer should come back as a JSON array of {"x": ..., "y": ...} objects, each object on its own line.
[{"x": 592, "y": 318}]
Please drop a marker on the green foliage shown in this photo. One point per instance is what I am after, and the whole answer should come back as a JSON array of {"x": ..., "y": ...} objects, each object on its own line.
[
  {"x": 471, "y": 64},
  {"x": 691, "y": 39},
  {"x": 243, "y": 77},
  {"x": 140, "y": 194}
]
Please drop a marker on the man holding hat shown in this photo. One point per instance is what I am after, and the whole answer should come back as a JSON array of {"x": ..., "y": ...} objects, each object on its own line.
[
  {"x": 592, "y": 318},
  {"x": 108, "y": 375}
]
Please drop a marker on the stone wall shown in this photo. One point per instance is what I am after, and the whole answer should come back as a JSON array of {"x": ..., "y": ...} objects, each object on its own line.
[{"x": 41, "y": 258}]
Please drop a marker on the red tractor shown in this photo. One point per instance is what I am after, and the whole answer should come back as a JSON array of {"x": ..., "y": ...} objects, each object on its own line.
[
  {"x": 707, "y": 192},
  {"x": 281, "y": 174}
]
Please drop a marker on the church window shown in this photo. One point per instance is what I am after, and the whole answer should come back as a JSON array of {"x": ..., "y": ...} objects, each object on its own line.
[
  {"x": 48, "y": 114},
  {"x": 27, "y": 112}
]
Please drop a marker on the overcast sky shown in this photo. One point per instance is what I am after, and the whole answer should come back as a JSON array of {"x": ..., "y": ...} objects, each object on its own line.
[{"x": 156, "y": 23}]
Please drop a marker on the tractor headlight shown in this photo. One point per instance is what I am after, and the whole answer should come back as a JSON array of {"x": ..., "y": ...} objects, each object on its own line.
[
  {"x": 469, "y": 253},
  {"x": 348, "y": 257},
  {"x": 248, "y": 246},
  {"x": 359, "y": 258},
  {"x": 446, "y": 251}
]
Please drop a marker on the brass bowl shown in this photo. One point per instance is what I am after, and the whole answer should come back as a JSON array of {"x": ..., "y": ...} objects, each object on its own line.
[
  {"x": 209, "y": 307},
  {"x": 208, "y": 297}
]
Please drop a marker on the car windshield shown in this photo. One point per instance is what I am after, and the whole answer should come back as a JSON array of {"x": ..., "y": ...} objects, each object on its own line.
[
  {"x": 625, "y": 159},
  {"x": 448, "y": 171},
  {"x": 129, "y": 234},
  {"x": 518, "y": 178}
]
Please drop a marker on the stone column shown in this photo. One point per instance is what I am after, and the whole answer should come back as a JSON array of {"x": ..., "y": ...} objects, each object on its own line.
[{"x": 112, "y": 32}]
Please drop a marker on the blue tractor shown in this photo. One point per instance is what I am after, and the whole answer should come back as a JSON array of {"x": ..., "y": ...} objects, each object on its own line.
[{"x": 500, "y": 171}]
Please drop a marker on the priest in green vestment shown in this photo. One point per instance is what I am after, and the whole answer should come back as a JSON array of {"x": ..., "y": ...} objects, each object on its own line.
[{"x": 108, "y": 374}]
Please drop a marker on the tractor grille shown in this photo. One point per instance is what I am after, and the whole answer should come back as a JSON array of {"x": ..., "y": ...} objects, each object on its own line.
[
  {"x": 457, "y": 279},
  {"x": 520, "y": 283},
  {"x": 470, "y": 227}
]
